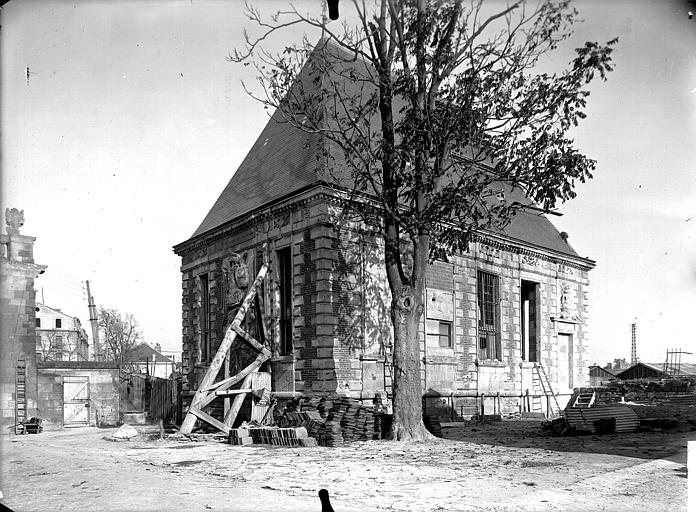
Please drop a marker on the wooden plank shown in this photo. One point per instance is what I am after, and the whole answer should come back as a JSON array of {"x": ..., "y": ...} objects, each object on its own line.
[
  {"x": 252, "y": 341},
  {"x": 252, "y": 367},
  {"x": 210, "y": 420},
  {"x": 226, "y": 375},
  {"x": 237, "y": 403},
  {"x": 216, "y": 363},
  {"x": 224, "y": 384},
  {"x": 228, "y": 392}
]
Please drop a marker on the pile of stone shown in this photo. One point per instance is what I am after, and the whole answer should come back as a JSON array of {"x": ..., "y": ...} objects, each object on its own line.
[
  {"x": 334, "y": 420},
  {"x": 274, "y": 436}
]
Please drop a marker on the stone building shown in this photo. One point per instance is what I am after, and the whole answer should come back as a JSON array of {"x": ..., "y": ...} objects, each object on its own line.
[
  {"x": 59, "y": 337},
  {"x": 18, "y": 381},
  {"x": 517, "y": 298}
]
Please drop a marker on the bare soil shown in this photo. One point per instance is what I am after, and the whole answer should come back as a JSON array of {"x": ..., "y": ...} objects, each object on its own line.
[{"x": 510, "y": 465}]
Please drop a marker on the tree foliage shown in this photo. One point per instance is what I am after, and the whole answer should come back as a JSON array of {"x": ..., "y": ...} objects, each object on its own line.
[
  {"x": 422, "y": 109},
  {"x": 120, "y": 334}
]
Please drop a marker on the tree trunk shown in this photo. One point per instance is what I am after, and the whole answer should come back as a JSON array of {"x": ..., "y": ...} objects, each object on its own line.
[{"x": 407, "y": 424}]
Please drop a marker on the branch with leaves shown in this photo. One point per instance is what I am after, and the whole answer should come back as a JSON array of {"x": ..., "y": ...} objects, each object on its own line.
[{"x": 420, "y": 110}]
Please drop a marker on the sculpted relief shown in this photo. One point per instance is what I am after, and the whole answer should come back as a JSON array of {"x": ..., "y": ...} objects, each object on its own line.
[
  {"x": 565, "y": 305},
  {"x": 236, "y": 274}
]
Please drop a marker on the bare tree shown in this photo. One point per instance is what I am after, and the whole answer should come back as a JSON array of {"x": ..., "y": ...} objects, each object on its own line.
[
  {"x": 62, "y": 345},
  {"x": 420, "y": 110},
  {"x": 121, "y": 333}
]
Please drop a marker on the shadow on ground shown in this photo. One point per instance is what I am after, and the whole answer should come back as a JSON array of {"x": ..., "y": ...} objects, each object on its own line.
[{"x": 670, "y": 445}]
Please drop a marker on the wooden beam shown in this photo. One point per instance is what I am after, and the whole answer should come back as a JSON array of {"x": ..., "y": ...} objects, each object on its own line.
[
  {"x": 251, "y": 340},
  {"x": 226, "y": 375},
  {"x": 210, "y": 420},
  {"x": 216, "y": 363},
  {"x": 237, "y": 403},
  {"x": 233, "y": 380},
  {"x": 228, "y": 392},
  {"x": 224, "y": 384}
]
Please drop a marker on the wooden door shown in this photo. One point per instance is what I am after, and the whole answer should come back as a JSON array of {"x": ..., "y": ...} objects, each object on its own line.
[
  {"x": 75, "y": 401},
  {"x": 565, "y": 362}
]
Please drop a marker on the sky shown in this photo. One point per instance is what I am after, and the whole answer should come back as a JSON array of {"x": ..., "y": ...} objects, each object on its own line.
[{"x": 130, "y": 122}]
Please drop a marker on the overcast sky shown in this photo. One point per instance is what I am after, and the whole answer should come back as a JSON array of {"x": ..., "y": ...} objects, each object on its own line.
[{"x": 131, "y": 122}]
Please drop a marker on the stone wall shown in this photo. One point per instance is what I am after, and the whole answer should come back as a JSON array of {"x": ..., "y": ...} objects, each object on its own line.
[
  {"x": 341, "y": 311},
  {"x": 17, "y": 323},
  {"x": 104, "y": 391}
]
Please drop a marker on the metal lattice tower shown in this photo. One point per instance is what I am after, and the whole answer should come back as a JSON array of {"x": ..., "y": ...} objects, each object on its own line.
[{"x": 634, "y": 356}]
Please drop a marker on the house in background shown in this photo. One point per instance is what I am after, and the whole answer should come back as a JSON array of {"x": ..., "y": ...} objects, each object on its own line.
[
  {"x": 657, "y": 371},
  {"x": 599, "y": 376},
  {"x": 59, "y": 337},
  {"x": 150, "y": 361},
  {"x": 515, "y": 301},
  {"x": 617, "y": 366}
]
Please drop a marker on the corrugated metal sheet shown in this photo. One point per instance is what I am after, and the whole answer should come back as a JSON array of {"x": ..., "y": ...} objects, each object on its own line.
[{"x": 584, "y": 419}]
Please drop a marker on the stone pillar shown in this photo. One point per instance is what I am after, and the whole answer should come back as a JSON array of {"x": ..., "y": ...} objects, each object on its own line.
[{"x": 17, "y": 317}]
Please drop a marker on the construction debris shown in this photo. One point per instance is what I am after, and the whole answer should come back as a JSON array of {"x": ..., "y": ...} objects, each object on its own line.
[{"x": 124, "y": 432}]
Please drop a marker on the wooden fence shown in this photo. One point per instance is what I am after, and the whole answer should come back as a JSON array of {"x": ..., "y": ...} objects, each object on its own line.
[{"x": 141, "y": 393}]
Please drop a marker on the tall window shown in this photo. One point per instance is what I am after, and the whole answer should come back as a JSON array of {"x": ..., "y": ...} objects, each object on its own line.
[
  {"x": 445, "y": 335},
  {"x": 38, "y": 322},
  {"x": 59, "y": 323},
  {"x": 529, "y": 292},
  {"x": 204, "y": 318},
  {"x": 489, "y": 316},
  {"x": 285, "y": 289}
]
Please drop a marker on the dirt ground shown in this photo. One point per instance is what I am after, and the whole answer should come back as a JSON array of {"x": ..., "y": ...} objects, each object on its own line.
[{"x": 496, "y": 466}]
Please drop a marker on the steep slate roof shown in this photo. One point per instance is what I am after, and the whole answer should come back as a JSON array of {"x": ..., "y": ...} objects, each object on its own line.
[
  {"x": 281, "y": 162},
  {"x": 144, "y": 352},
  {"x": 285, "y": 160}
]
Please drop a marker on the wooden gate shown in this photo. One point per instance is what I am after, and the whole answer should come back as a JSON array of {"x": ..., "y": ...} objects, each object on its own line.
[
  {"x": 75, "y": 401},
  {"x": 162, "y": 398}
]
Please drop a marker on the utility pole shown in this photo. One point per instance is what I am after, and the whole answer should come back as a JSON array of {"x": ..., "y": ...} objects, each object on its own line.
[
  {"x": 634, "y": 356},
  {"x": 95, "y": 324}
]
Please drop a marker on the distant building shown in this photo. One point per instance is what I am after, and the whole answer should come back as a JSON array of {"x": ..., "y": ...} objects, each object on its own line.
[
  {"x": 617, "y": 365},
  {"x": 656, "y": 371},
  {"x": 599, "y": 375},
  {"x": 59, "y": 337},
  {"x": 18, "y": 381},
  {"x": 150, "y": 361}
]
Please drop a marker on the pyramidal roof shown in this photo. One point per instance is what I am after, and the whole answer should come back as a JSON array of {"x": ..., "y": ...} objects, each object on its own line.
[{"x": 286, "y": 160}]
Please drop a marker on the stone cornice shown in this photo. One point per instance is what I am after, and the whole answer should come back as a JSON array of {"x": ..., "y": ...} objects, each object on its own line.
[
  {"x": 321, "y": 192},
  {"x": 27, "y": 268}
]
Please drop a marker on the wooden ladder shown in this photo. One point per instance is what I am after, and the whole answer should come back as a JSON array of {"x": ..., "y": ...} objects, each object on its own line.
[
  {"x": 541, "y": 383},
  {"x": 20, "y": 395},
  {"x": 208, "y": 390},
  {"x": 585, "y": 400}
]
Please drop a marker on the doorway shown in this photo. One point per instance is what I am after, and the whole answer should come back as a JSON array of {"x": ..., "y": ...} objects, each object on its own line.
[
  {"x": 529, "y": 293},
  {"x": 75, "y": 401},
  {"x": 565, "y": 361}
]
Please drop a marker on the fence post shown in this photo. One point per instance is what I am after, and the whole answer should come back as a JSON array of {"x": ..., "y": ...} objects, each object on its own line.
[
  {"x": 529, "y": 408},
  {"x": 483, "y": 405}
]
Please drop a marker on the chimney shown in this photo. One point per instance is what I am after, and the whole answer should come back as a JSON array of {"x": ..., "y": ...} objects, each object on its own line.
[{"x": 158, "y": 348}]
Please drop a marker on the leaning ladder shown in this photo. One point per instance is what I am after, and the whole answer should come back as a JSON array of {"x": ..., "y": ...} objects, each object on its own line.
[
  {"x": 208, "y": 390},
  {"x": 543, "y": 380},
  {"x": 20, "y": 395}
]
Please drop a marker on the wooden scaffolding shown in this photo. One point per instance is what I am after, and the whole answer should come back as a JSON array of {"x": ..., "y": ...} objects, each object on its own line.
[{"x": 208, "y": 390}]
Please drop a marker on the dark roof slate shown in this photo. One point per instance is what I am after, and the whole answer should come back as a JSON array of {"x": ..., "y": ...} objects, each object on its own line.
[
  {"x": 281, "y": 161},
  {"x": 144, "y": 352},
  {"x": 285, "y": 160}
]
